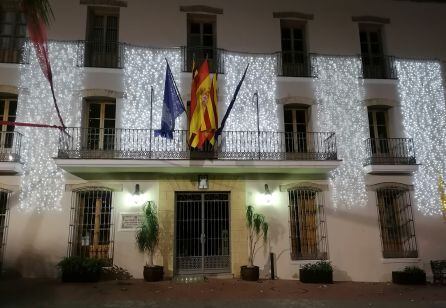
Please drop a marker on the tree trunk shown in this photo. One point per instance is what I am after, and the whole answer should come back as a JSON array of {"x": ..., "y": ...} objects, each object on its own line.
[{"x": 150, "y": 263}]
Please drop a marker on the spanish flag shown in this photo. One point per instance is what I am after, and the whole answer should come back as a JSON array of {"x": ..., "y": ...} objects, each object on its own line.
[{"x": 203, "y": 117}]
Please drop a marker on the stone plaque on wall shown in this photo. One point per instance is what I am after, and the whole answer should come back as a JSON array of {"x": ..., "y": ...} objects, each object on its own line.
[{"x": 129, "y": 221}]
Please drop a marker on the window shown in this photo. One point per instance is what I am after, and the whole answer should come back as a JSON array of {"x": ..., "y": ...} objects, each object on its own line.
[
  {"x": 102, "y": 46},
  {"x": 378, "y": 129},
  {"x": 396, "y": 223},
  {"x": 101, "y": 118},
  {"x": 12, "y": 35},
  {"x": 8, "y": 110},
  {"x": 4, "y": 196},
  {"x": 296, "y": 120},
  {"x": 202, "y": 40},
  {"x": 294, "y": 50},
  {"x": 91, "y": 228},
  {"x": 373, "y": 62},
  {"x": 307, "y": 224}
]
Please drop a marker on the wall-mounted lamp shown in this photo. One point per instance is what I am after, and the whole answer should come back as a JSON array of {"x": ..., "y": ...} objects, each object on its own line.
[
  {"x": 268, "y": 194},
  {"x": 137, "y": 196},
  {"x": 203, "y": 182}
]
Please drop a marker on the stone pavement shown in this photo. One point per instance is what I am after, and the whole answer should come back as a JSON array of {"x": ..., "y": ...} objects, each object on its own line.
[{"x": 216, "y": 293}]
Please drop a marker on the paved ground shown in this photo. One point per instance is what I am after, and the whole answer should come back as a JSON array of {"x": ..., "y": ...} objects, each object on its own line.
[{"x": 216, "y": 293}]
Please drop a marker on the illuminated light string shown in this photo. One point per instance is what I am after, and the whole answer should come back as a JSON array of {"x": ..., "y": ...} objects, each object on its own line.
[
  {"x": 145, "y": 68},
  {"x": 340, "y": 92},
  {"x": 42, "y": 183},
  {"x": 421, "y": 92},
  {"x": 261, "y": 78}
]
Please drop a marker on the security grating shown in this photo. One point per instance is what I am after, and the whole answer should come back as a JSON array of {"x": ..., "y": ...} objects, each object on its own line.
[
  {"x": 308, "y": 232},
  {"x": 4, "y": 216},
  {"x": 91, "y": 228},
  {"x": 202, "y": 238},
  {"x": 396, "y": 223}
]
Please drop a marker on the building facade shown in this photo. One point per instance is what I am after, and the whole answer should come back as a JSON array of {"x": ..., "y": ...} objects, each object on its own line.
[{"x": 337, "y": 136}]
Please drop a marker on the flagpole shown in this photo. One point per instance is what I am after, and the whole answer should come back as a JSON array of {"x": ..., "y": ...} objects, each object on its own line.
[
  {"x": 151, "y": 111},
  {"x": 256, "y": 97}
]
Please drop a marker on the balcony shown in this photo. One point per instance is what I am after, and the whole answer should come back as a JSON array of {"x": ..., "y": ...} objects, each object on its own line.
[
  {"x": 199, "y": 54},
  {"x": 138, "y": 150},
  {"x": 10, "y": 147},
  {"x": 390, "y": 155},
  {"x": 101, "y": 54},
  {"x": 378, "y": 67},
  {"x": 13, "y": 50},
  {"x": 293, "y": 65}
]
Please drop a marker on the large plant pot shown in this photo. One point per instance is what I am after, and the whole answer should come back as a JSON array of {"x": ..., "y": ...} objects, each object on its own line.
[
  {"x": 153, "y": 273},
  {"x": 249, "y": 273},
  {"x": 307, "y": 276},
  {"x": 399, "y": 277}
]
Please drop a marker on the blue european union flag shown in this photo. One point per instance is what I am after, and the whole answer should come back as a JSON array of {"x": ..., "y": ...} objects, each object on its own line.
[{"x": 172, "y": 108}]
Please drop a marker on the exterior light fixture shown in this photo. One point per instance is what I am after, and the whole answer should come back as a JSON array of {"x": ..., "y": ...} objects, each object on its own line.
[
  {"x": 268, "y": 195},
  {"x": 203, "y": 182},
  {"x": 137, "y": 196}
]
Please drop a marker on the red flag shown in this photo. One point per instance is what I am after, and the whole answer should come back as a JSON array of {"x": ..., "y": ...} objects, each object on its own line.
[{"x": 38, "y": 36}]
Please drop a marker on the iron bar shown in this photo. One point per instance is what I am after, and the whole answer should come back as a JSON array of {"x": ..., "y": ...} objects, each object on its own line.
[{"x": 390, "y": 151}]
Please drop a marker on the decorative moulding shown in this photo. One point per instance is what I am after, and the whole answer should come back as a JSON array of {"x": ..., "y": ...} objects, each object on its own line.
[
  {"x": 10, "y": 188},
  {"x": 296, "y": 100},
  {"x": 381, "y": 102},
  {"x": 9, "y": 89},
  {"x": 293, "y": 15},
  {"x": 201, "y": 9},
  {"x": 101, "y": 93},
  {"x": 118, "y": 3},
  {"x": 286, "y": 187},
  {"x": 371, "y": 19},
  {"x": 113, "y": 187},
  {"x": 375, "y": 187}
]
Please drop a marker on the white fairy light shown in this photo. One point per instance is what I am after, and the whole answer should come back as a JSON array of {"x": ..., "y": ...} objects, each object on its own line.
[
  {"x": 42, "y": 182},
  {"x": 145, "y": 68},
  {"x": 339, "y": 92},
  {"x": 260, "y": 78},
  {"x": 421, "y": 91}
]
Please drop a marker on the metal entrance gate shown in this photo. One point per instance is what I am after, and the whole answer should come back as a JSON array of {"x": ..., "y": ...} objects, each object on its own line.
[{"x": 202, "y": 233}]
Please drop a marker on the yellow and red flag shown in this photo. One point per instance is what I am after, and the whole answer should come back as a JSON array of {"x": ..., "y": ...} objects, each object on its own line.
[{"x": 203, "y": 117}]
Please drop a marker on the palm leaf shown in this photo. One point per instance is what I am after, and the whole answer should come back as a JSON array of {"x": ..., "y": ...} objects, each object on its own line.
[{"x": 37, "y": 11}]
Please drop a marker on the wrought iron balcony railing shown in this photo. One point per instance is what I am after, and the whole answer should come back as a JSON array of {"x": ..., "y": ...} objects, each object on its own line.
[
  {"x": 13, "y": 50},
  {"x": 378, "y": 67},
  {"x": 199, "y": 54},
  {"x": 10, "y": 146},
  {"x": 290, "y": 64},
  {"x": 101, "y": 54},
  {"x": 116, "y": 143},
  {"x": 390, "y": 151}
]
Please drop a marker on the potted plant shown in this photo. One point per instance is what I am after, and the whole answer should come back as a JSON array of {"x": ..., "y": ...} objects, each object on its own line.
[
  {"x": 147, "y": 238},
  {"x": 319, "y": 272},
  {"x": 257, "y": 231},
  {"x": 410, "y": 275},
  {"x": 80, "y": 269}
]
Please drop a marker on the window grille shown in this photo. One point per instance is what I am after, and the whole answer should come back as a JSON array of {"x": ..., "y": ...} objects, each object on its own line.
[
  {"x": 4, "y": 216},
  {"x": 396, "y": 223},
  {"x": 91, "y": 228},
  {"x": 308, "y": 231}
]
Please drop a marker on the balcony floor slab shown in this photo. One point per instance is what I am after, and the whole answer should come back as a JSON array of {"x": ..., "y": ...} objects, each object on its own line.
[
  {"x": 10, "y": 168},
  {"x": 390, "y": 169},
  {"x": 79, "y": 167}
]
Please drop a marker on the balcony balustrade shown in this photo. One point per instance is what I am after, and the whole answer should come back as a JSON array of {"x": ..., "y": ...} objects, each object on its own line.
[
  {"x": 10, "y": 146},
  {"x": 290, "y": 64},
  {"x": 199, "y": 54},
  {"x": 13, "y": 50},
  {"x": 141, "y": 144},
  {"x": 101, "y": 54},
  {"x": 378, "y": 67},
  {"x": 390, "y": 151}
]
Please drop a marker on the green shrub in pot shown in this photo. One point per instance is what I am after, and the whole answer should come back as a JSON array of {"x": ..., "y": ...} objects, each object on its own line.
[
  {"x": 80, "y": 269},
  {"x": 319, "y": 272}
]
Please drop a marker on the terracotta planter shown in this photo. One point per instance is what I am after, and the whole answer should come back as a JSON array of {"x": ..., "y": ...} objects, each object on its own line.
[
  {"x": 249, "y": 273},
  {"x": 154, "y": 273}
]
